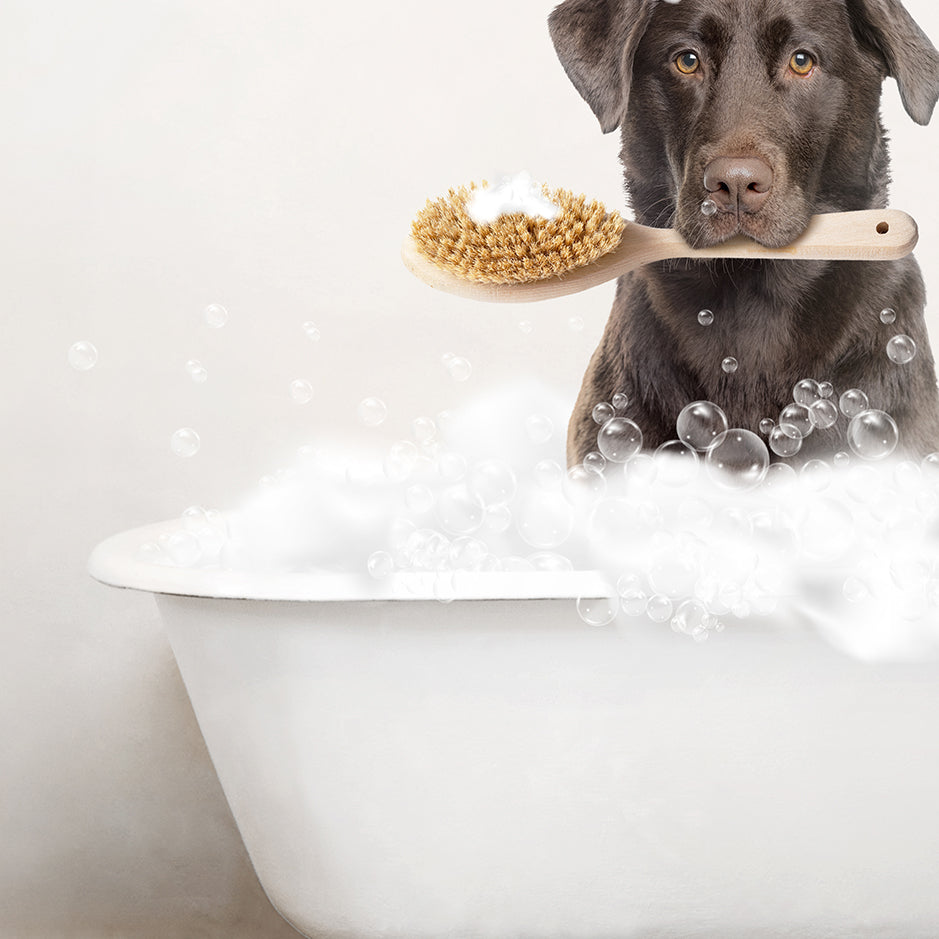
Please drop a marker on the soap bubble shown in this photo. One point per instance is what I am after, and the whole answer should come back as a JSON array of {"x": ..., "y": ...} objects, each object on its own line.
[
  {"x": 673, "y": 575},
  {"x": 197, "y": 371},
  {"x": 301, "y": 391},
  {"x": 873, "y": 434},
  {"x": 380, "y": 564},
  {"x": 182, "y": 548},
  {"x": 738, "y": 459},
  {"x": 540, "y": 428},
  {"x": 583, "y": 487},
  {"x": 806, "y": 392},
  {"x": 526, "y": 326},
  {"x": 676, "y": 463},
  {"x": 691, "y": 618},
  {"x": 700, "y": 424},
  {"x": 82, "y": 356},
  {"x": 816, "y": 474},
  {"x": 595, "y": 462},
  {"x": 419, "y": 498},
  {"x": 706, "y": 317},
  {"x": 400, "y": 460},
  {"x": 785, "y": 440},
  {"x": 729, "y": 365},
  {"x": 633, "y": 598},
  {"x": 498, "y": 518},
  {"x": 823, "y": 414},
  {"x": 548, "y": 474},
  {"x": 372, "y": 411},
  {"x": 459, "y": 511},
  {"x": 852, "y": 402},
  {"x": 215, "y": 315},
  {"x": 619, "y": 439},
  {"x": 576, "y": 324},
  {"x": 709, "y": 206},
  {"x": 493, "y": 482},
  {"x": 458, "y": 367},
  {"x": 423, "y": 428},
  {"x": 312, "y": 331},
  {"x": 901, "y": 349},
  {"x": 597, "y": 611},
  {"x": 826, "y": 389},
  {"x": 602, "y": 412},
  {"x": 659, "y": 608},
  {"x": 766, "y": 426},
  {"x": 620, "y": 401},
  {"x": 888, "y": 316},
  {"x": 185, "y": 442},
  {"x": 546, "y": 519},
  {"x": 797, "y": 415}
]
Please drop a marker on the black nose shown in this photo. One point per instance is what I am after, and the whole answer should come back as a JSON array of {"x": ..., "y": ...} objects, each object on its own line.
[{"x": 738, "y": 184}]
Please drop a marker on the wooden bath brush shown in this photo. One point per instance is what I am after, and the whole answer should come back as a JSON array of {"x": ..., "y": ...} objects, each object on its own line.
[{"x": 521, "y": 258}]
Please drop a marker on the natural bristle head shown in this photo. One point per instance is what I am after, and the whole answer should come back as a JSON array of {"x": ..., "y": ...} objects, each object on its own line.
[{"x": 515, "y": 248}]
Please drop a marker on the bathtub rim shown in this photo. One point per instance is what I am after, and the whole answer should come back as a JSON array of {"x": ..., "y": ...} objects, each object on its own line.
[{"x": 115, "y": 563}]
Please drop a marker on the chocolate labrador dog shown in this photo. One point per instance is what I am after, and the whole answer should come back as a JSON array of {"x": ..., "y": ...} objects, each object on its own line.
[{"x": 768, "y": 111}]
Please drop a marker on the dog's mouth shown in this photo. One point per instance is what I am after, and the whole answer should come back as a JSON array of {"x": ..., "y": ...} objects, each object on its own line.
[{"x": 770, "y": 229}]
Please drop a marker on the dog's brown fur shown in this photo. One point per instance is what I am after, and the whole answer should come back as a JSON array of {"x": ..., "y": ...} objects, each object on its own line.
[{"x": 822, "y": 137}]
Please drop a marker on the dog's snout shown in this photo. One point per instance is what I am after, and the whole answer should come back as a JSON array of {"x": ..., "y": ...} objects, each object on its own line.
[{"x": 738, "y": 184}]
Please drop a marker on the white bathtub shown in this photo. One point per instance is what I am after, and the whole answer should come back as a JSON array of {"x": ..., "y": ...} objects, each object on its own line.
[{"x": 493, "y": 768}]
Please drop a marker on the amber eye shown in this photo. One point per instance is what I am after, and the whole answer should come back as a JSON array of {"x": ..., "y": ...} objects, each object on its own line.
[
  {"x": 687, "y": 62},
  {"x": 802, "y": 62}
]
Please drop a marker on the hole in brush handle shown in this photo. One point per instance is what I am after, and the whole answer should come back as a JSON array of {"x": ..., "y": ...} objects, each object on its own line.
[{"x": 883, "y": 228}]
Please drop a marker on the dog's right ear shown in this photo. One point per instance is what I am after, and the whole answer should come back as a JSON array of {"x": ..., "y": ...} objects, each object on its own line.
[{"x": 596, "y": 41}]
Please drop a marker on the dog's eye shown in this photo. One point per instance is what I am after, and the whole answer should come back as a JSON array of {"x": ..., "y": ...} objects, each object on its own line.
[
  {"x": 802, "y": 62},
  {"x": 687, "y": 62}
]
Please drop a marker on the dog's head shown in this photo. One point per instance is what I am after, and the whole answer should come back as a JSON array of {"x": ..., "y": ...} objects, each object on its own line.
[{"x": 766, "y": 109}]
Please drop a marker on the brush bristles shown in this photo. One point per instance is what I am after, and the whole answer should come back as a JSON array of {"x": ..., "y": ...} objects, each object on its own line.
[{"x": 515, "y": 248}]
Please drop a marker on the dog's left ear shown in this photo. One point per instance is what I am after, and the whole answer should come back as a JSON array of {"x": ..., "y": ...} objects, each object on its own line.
[
  {"x": 910, "y": 57},
  {"x": 596, "y": 41}
]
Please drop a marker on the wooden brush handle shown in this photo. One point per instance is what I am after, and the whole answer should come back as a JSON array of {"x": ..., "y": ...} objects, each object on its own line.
[{"x": 870, "y": 235}]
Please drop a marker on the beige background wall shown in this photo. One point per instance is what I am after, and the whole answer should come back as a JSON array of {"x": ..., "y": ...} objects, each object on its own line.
[{"x": 162, "y": 155}]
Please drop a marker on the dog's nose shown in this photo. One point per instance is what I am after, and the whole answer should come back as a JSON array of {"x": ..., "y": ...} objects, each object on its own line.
[{"x": 738, "y": 184}]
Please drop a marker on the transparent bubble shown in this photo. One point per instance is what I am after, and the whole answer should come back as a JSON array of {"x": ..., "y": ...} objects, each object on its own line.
[
  {"x": 766, "y": 425},
  {"x": 659, "y": 608},
  {"x": 539, "y": 427},
  {"x": 930, "y": 464},
  {"x": 823, "y": 414},
  {"x": 602, "y": 412},
  {"x": 676, "y": 463},
  {"x": 312, "y": 331},
  {"x": 380, "y": 564},
  {"x": 301, "y": 391},
  {"x": 82, "y": 356},
  {"x": 467, "y": 553},
  {"x": 709, "y": 206},
  {"x": 700, "y": 424},
  {"x": 785, "y": 440},
  {"x": 597, "y": 611},
  {"x": 779, "y": 475},
  {"x": 182, "y": 548},
  {"x": 873, "y": 434},
  {"x": 401, "y": 460},
  {"x": 797, "y": 415},
  {"x": 729, "y": 365},
  {"x": 705, "y": 317},
  {"x": 888, "y": 316},
  {"x": 642, "y": 469},
  {"x": 451, "y": 466},
  {"x": 576, "y": 324},
  {"x": 423, "y": 428},
  {"x": 673, "y": 575},
  {"x": 583, "y": 487},
  {"x": 619, "y": 440},
  {"x": 816, "y": 474},
  {"x": 426, "y": 550},
  {"x": 372, "y": 411},
  {"x": 197, "y": 371},
  {"x": 458, "y": 367},
  {"x": 841, "y": 459},
  {"x": 185, "y": 442},
  {"x": 215, "y": 315},
  {"x": 855, "y": 590},
  {"x": 498, "y": 518},
  {"x": 620, "y": 401},
  {"x": 459, "y": 511},
  {"x": 526, "y": 326},
  {"x": 595, "y": 462},
  {"x": 548, "y": 474},
  {"x": 419, "y": 498},
  {"x": 692, "y": 618},
  {"x": 806, "y": 392},
  {"x": 901, "y": 350},
  {"x": 493, "y": 482},
  {"x": 545, "y": 519},
  {"x": 826, "y": 389},
  {"x": 738, "y": 459},
  {"x": 852, "y": 402}
]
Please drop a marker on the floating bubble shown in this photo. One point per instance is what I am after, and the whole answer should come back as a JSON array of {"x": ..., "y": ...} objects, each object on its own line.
[
  {"x": 546, "y": 519},
  {"x": 709, "y": 206},
  {"x": 372, "y": 411},
  {"x": 806, "y": 392},
  {"x": 738, "y": 459},
  {"x": 595, "y": 462},
  {"x": 620, "y": 401},
  {"x": 766, "y": 425},
  {"x": 901, "y": 350},
  {"x": 312, "y": 331},
  {"x": 888, "y": 316},
  {"x": 423, "y": 428},
  {"x": 458, "y": 367},
  {"x": 785, "y": 440},
  {"x": 301, "y": 391},
  {"x": 185, "y": 442},
  {"x": 673, "y": 575},
  {"x": 619, "y": 439},
  {"x": 729, "y": 365},
  {"x": 526, "y": 326},
  {"x": 583, "y": 487},
  {"x": 659, "y": 608},
  {"x": 215, "y": 315},
  {"x": 779, "y": 475},
  {"x": 797, "y": 415},
  {"x": 841, "y": 459},
  {"x": 548, "y": 474},
  {"x": 539, "y": 427},
  {"x": 816, "y": 474},
  {"x": 676, "y": 463},
  {"x": 197, "y": 371},
  {"x": 400, "y": 461},
  {"x": 82, "y": 356},
  {"x": 597, "y": 611},
  {"x": 451, "y": 466},
  {"x": 182, "y": 548},
  {"x": 498, "y": 518},
  {"x": 633, "y": 598},
  {"x": 700, "y": 424},
  {"x": 852, "y": 402},
  {"x": 419, "y": 498},
  {"x": 459, "y": 511},
  {"x": 493, "y": 482},
  {"x": 692, "y": 618},
  {"x": 823, "y": 414},
  {"x": 930, "y": 463},
  {"x": 380, "y": 564},
  {"x": 467, "y": 553},
  {"x": 576, "y": 324},
  {"x": 873, "y": 434},
  {"x": 602, "y": 412},
  {"x": 705, "y": 317},
  {"x": 826, "y": 389}
]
